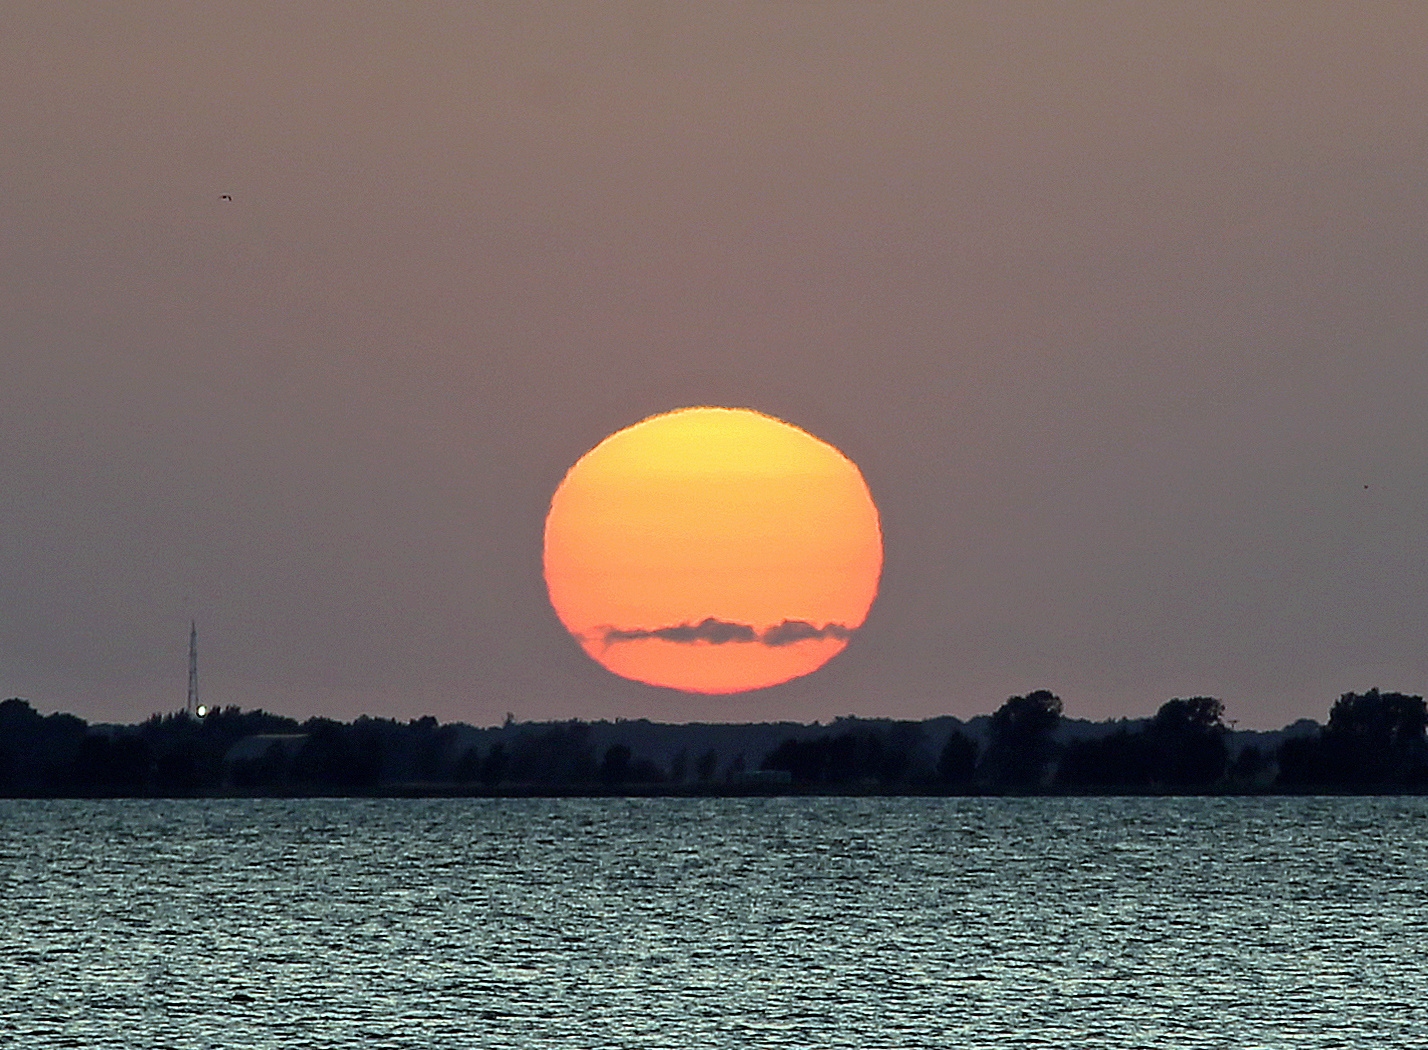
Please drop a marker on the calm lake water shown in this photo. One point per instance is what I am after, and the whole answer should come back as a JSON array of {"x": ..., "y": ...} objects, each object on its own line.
[{"x": 1183, "y": 923}]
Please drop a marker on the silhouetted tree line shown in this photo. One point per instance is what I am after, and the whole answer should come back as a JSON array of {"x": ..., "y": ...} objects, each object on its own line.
[
  {"x": 1183, "y": 748},
  {"x": 1373, "y": 742},
  {"x": 866, "y": 756},
  {"x": 233, "y": 751}
]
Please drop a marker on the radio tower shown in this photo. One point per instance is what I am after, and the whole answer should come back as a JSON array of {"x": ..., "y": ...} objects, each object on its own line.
[{"x": 192, "y": 668}]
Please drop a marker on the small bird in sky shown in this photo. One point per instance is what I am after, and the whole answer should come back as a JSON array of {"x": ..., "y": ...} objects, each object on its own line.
[{"x": 227, "y": 197}]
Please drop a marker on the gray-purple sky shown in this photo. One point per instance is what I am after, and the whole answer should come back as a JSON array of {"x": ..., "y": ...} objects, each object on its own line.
[{"x": 1122, "y": 309}]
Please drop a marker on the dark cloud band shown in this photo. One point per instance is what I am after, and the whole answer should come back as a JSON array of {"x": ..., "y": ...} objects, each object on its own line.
[{"x": 723, "y": 632}]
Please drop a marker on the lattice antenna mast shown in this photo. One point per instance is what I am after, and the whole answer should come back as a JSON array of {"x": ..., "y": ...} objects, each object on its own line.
[{"x": 192, "y": 668}]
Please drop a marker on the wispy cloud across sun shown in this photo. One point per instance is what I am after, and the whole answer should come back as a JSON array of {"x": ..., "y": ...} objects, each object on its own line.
[{"x": 713, "y": 631}]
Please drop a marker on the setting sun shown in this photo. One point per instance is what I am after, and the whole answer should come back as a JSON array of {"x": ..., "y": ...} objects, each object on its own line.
[{"x": 712, "y": 550}]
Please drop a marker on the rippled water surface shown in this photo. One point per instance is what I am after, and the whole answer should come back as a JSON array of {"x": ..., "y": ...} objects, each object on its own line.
[{"x": 714, "y": 923}]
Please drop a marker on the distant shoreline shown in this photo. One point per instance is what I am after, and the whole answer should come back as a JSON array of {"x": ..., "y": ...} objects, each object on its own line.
[
  {"x": 657, "y": 791},
  {"x": 1373, "y": 744}
]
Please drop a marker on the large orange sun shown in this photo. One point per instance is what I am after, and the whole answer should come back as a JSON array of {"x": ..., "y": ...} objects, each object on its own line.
[{"x": 712, "y": 550}]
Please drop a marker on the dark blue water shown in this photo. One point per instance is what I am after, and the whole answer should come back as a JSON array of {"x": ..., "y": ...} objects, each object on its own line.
[{"x": 714, "y": 923}]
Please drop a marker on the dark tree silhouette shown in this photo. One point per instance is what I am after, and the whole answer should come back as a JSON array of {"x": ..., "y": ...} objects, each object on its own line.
[
  {"x": 957, "y": 763},
  {"x": 335, "y": 757},
  {"x": 121, "y": 765},
  {"x": 1121, "y": 761},
  {"x": 645, "y": 771},
  {"x": 495, "y": 765},
  {"x": 554, "y": 754},
  {"x": 1021, "y": 746},
  {"x": 1189, "y": 740},
  {"x": 898, "y": 743},
  {"x": 1300, "y": 762},
  {"x": 427, "y": 744},
  {"x": 1390, "y": 721},
  {"x": 1248, "y": 766},
  {"x": 274, "y": 769},
  {"x": 1375, "y": 739},
  {"x": 234, "y": 723},
  {"x": 615, "y": 767},
  {"x": 468, "y": 767},
  {"x": 1373, "y": 742},
  {"x": 17, "y": 716},
  {"x": 37, "y": 752},
  {"x": 805, "y": 761},
  {"x": 862, "y": 756}
]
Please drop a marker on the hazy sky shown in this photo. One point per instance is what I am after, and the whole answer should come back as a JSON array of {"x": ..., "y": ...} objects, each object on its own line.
[{"x": 1121, "y": 308}]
